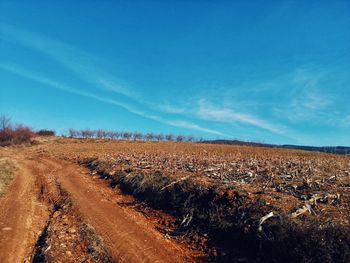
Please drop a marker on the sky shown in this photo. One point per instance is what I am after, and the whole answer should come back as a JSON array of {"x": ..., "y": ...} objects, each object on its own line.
[{"x": 265, "y": 71}]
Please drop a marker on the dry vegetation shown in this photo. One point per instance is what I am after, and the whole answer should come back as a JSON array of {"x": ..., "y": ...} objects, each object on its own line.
[
  {"x": 13, "y": 134},
  {"x": 256, "y": 204},
  {"x": 6, "y": 174}
]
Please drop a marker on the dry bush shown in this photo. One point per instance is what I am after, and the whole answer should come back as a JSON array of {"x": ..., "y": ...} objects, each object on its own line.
[
  {"x": 6, "y": 136},
  {"x": 22, "y": 134},
  {"x": 17, "y": 135}
]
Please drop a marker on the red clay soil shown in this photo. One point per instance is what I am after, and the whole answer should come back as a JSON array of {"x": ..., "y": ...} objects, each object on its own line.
[
  {"x": 22, "y": 217},
  {"x": 127, "y": 234}
]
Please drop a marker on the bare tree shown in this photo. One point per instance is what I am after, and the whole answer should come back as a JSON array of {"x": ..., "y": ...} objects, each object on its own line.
[
  {"x": 189, "y": 138},
  {"x": 180, "y": 138},
  {"x": 92, "y": 134},
  {"x": 136, "y": 136},
  {"x": 109, "y": 135},
  {"x": 149, "y": 136},
  {"x": 87, "y": 133},
  {"x": 159, "y": 137},
  {"x": 73, "y": 133},
  {"x": 5, "y": 122},
  {"x": 126, "y": 135},
  {"x": 118, "y": 135},
  {"x": 101, "y": 134},
  {"x": 169, "y": 137}
]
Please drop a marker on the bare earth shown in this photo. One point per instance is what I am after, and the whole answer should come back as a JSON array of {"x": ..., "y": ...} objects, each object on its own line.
[
  {"x": 22, "y": 217},
  {"x": 127, "y": 235},
  {"x": 55, "y": 210}
]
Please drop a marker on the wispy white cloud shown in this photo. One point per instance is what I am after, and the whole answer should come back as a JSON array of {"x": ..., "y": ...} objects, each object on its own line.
[
  {"x": 81, "y": 63},
  {"x": 226, "y": 115},
  {"x": 307, "y": 99},
  {"x": 308, "y": 93},
  {"x": 60, "y": 86},
  {"x": 315, "y": 100},
  {"x": 169, "y": 108},
  {"x": 345, "y": 121},
  {"x": 193, "y": 126}
]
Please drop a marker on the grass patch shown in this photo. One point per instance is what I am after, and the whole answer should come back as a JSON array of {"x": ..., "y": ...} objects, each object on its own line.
[{"x": 6, "y": 174}]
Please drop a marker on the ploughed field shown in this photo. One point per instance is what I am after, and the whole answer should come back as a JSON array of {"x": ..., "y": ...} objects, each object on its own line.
[{"x": 239, "y": 203}]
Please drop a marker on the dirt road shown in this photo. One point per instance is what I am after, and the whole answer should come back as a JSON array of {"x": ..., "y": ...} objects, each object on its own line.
[
  {"x": 127, "y": 235},
  {"x": 22, "y": 216}
]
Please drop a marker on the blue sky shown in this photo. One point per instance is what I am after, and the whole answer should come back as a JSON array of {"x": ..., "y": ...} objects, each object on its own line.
[{"x": 270, "y": 71}]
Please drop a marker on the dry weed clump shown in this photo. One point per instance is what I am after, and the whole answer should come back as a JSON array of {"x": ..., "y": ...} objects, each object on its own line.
[{"x": 7, "y": 168}]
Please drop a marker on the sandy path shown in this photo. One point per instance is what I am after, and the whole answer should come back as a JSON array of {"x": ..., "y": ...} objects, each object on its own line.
[
  {"x": 22, "y": 217},
  {"x": 127, "y": 235}
]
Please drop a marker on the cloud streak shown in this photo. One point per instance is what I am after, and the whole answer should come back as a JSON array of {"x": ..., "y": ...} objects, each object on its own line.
[
  {"x": 77, "y": 61},
  {"x": 60, "y": 86},
  {"x": 83, "y": 65},
  {"x": 226, "y": 115},
  {"x": 309, "y": 98}
]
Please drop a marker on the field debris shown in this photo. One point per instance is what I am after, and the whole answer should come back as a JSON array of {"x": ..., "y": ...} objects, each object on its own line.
[
  {"x": 263, "y": 219},
  {"x": 175, "y": 182},
  {"x": 259, "y": 204},
  {"x": 303, "y": 210}
]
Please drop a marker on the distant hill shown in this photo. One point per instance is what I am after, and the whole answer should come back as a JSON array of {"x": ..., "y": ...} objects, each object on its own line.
[{"x": 325, "y": 149}]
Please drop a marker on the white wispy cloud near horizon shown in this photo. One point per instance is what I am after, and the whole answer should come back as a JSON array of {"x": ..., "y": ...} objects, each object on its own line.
[
  {"x": 193, "y": 126},
  {"x": 60, "y": 86},
  {"x": 306, "y": 102},
  {"x": 82, "y": 64},
  {"x": 223, "y": 114}
]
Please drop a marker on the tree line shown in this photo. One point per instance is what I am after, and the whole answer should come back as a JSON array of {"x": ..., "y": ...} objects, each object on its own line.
[
  {"x": 116, "y": 135},
  {"x": 19, "y": 133}
]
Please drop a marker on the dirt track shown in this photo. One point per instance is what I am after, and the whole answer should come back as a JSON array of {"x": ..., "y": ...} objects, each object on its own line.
[
  {"x": 128, "y": 236},
  {"x": 22, "y": 217}
]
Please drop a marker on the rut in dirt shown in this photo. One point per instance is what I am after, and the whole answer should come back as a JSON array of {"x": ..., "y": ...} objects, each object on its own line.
[
  {"x": 66, "y": 238},
  {"x": 75, "y": 219},
  {"x": 129, "y": 236}
]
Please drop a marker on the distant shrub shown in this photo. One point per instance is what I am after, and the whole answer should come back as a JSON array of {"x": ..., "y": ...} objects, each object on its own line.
[
  {"x": 19, "y": 134},
  {"x": 6, "y": 136},
  {"x": 22, "y": 134},
  {"x": 45, "y": 133}
]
